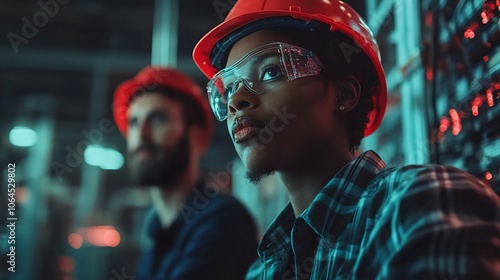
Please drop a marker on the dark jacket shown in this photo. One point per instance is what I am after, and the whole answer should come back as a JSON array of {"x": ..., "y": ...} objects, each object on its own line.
[{"x": 213, "y": 237}]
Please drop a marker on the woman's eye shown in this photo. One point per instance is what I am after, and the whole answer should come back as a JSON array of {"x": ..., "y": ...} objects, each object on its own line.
[{"x": 271, "y": 72}]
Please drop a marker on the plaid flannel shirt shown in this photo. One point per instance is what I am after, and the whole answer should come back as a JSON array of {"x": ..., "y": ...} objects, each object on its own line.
[{"x": 373, "y": 222}]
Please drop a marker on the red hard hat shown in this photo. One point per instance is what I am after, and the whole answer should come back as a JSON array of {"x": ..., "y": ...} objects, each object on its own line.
[
  {"x": 337, "y": 14},
  {"x": 151, "y": 77}
]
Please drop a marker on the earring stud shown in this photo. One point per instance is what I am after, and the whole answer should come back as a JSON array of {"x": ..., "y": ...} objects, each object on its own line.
[{"x": 342, "y": 108}]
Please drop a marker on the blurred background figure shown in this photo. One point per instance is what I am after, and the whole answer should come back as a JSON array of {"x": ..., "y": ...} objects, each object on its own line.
[
  {"x": 198, "y": 231},
  {"x": 80, "y": 216}
]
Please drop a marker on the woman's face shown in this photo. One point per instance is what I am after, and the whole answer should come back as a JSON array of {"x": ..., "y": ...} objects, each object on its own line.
[{"x": 286, "y": 128}]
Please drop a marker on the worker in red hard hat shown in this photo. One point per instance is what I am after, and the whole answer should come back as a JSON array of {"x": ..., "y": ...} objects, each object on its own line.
[
  {"x": 197, "y": 231},
  {"x": 300, "y": 83}
]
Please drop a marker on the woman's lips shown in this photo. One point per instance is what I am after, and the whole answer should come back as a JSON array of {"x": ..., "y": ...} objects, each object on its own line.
[
  {"x": 245, "y": 133},
  {"x": 245, "y": 128}
]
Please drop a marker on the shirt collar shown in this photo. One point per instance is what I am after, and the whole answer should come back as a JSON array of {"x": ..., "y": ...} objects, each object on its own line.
[
  {"x": 277, "y": 236},
  {"x": 156, "y": 231},
  {"x": 331, "y": 210}
]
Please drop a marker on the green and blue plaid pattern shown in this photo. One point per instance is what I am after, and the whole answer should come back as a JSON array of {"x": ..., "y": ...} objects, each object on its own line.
[{"x": 373, "y": 222}]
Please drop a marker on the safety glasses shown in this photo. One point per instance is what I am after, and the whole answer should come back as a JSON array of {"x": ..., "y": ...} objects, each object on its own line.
[{"x": 260, "y": 71}]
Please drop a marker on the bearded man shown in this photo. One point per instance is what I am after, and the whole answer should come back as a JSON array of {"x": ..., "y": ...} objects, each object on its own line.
[{"x": 197, "y": 232}]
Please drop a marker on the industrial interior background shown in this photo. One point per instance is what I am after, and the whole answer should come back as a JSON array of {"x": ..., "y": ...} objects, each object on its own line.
[{"x": 60, "y": 61}]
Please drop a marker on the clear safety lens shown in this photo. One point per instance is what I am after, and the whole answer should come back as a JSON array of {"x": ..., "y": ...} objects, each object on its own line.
[{"x": 261, "y": 70}]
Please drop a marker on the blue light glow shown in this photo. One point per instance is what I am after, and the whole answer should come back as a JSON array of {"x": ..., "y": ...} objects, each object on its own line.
[
  {"x": 23, "y": 136},
  {"x": 105, "y": 158}
]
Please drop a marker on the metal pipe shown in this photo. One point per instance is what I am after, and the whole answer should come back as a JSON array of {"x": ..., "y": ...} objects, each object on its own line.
[{"x": 165, "y": 30}]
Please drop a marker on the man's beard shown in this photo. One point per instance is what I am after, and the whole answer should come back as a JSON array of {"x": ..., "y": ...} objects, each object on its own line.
[
  {"x": 256, "y": 177},
  {"x": 163, "y": 168}
]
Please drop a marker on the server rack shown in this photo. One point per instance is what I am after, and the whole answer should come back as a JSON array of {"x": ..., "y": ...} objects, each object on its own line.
[{"x": 442, "y": 60}]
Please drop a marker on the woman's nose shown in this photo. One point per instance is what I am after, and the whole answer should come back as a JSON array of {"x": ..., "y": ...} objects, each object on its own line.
[{"x": 241, "y": 98}]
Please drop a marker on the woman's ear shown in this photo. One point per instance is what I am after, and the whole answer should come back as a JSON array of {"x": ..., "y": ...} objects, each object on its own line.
[{"x": 350, "y": 90}]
